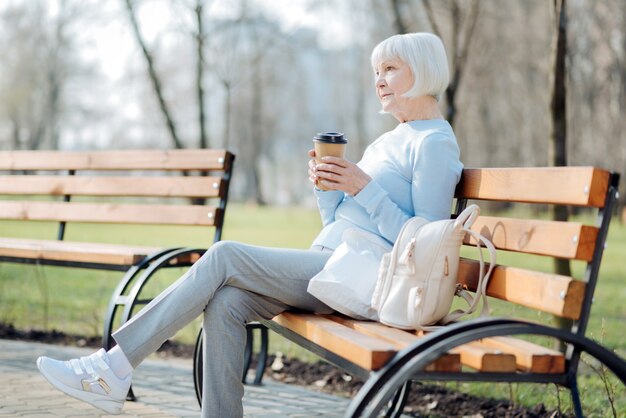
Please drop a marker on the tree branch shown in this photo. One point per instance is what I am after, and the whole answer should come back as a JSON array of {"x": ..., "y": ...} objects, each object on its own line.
[
  {"x": 153, "y": 76},
  {"x": 465, "y": 41},
  {"x": 397, "y": 21},
  {"x": 431, "y": 18},
  {"x": 204, "y": 143}
]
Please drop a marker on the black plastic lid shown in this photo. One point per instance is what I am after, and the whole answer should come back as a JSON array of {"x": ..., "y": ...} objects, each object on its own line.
[{"x": 331, "y": 137}]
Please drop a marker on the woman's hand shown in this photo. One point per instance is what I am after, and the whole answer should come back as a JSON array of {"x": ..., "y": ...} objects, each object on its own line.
[
  {"x": 336, "y": 173},
  {"x": 312, "y": 164}
]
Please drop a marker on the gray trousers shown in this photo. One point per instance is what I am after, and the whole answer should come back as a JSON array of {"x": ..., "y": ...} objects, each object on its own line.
[{"x": 233, "y": 284}]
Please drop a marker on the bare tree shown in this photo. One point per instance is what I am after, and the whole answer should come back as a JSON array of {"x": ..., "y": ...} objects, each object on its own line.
[
  {"x": 154, "y": 78},
  {"x": 39, "y": 62},
  {"x": 227, "y": 69},
  {"x": 596, "y": 59},
  {"x": 237, "y": 56},
  {"x": 200, "y": 37},
  {"x": 398, "y": 22},
  {"x": 558, "y": 110},
  {"x": 558, "y": 133},
  {"x": 462, "y": 26},
  {"x": 256, "y": 122}
]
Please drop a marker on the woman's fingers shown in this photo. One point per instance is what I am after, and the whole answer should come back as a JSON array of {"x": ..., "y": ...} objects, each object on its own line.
[
  {"x": 341, "y": 162},
  {"x": 337, "y": 173},
  {"x": 327, "y": 168},
  {"x": 329, "y": 175}
]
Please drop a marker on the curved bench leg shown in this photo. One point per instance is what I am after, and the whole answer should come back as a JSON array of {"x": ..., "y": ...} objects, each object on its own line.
[
  {"x": 262, "y": 358},
  {"x": 247, "y": 356},
  {"x": 575, "y": 394},
  {"x": 249, "y": 350},
  {"x": 119, "y": 299},
  {"x": 137, "y": 277},
  {"x": 381, "y": 386},
  {"x": 197, "y": 366},
  {"x": 141, "y": 281},
  {"x": 396, "y": 405}
]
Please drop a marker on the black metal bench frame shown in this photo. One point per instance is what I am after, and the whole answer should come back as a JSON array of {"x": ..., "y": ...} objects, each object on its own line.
[{"x": 387, "y": 389}]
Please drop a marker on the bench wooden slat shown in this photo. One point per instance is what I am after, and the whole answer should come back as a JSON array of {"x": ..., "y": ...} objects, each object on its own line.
[
  {"x": 570, "y": 240},
  {"x": 580, "y": 186},
  {"x": 83, "y": 252},
  {"x": 398, "y": 337},
  {"x": 192, "y": 159},
  {"x": 110, "y": 213},
  {"x": 112, "y": 186},
  {"x": 530, "y": 357},
  {"x": 552, "y": 293},
  {"x": 486, "y": 359},
  {"x": 450, "y": 362},
  {"x": 475, "y": 355},
  {"x": 367, "y": 352}
]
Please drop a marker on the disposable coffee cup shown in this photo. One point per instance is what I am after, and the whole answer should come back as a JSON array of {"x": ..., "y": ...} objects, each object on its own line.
[{"x": 329, "y": 144}]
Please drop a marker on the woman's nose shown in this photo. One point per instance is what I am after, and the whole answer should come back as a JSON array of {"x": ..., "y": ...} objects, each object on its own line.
[{"x": 380, "y": 81}]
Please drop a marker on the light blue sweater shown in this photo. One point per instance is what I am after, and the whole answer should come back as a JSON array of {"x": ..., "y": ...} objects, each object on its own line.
[{"x": 414, "y": 171}]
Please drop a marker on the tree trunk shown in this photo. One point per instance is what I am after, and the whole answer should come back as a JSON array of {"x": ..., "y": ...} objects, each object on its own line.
[
  {"x": 398, "y": 23},
  {"x": 558, "y": 110},
  {"x": 15, "y": 133},
  {"x": 462, "y": 34},
  {"x": 156, "y": 83},
  {"x": 256, "y": 119},
  {"x": 227, "y": 113},
  {"x": 204, "y": 141},
  {"x": 558, "y": 135}
]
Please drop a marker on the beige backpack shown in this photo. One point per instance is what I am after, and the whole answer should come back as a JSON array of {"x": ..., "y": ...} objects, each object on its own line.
[{"x": 417, "y": 280}]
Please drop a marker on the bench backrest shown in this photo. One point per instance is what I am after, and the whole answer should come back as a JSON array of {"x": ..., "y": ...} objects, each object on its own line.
[
  {"x": 564, "y": 296},
  {"x": 105, "y": 176}
]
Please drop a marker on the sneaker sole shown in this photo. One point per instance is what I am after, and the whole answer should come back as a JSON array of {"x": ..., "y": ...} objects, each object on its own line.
[{"x": 99, "y": 401}]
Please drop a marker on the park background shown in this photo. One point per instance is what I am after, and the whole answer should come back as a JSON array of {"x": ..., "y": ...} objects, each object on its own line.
[{"x": 260, "y": 78}]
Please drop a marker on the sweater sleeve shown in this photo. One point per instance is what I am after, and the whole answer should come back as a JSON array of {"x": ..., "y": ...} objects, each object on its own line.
[
  {"x": 435, "y": 172},
  {"x": 327, "y": 202}
]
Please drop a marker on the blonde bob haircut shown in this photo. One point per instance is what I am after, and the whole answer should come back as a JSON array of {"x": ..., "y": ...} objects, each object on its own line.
[{"x": 425, "y": 55}]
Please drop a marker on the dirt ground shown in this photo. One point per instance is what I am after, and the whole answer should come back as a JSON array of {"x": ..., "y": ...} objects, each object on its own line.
[{"x": 424, "y": 400}]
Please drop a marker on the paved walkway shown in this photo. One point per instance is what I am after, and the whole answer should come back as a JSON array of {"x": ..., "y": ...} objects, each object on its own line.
[{"x": 164, "y": 388}]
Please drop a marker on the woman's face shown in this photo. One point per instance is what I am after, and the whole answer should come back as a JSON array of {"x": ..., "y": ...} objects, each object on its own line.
[{"x": 393, "y": 79}]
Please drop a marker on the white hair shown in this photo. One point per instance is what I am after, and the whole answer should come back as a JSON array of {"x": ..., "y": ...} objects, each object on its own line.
[{"x": 425, "y": 55}]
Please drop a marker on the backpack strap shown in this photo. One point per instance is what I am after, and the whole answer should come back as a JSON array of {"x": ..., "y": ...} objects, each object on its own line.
[
  {"x": 466, "y": 218},
  {"x": 483, "y": 280}
]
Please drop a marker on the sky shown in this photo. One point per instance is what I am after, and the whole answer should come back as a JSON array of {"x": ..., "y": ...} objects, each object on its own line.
[{"x": 115, "y": 44}]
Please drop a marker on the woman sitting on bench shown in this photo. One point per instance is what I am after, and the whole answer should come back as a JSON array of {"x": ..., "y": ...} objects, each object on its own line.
[{"x": 409, "y": 171}]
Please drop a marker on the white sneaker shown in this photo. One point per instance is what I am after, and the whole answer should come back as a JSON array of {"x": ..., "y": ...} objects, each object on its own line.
[{"x": 88, "y": 379}]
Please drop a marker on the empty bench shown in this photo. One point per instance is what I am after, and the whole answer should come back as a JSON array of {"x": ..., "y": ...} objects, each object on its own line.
[
  {"x": 485, "y": 349},
  {"x": 147, "y": 187}
]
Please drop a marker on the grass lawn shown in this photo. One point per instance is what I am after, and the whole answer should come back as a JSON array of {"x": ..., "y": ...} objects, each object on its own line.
[{"x": 74, "y": 300}]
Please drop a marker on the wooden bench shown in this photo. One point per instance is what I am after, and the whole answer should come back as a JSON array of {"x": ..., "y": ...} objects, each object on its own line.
[
  {"x": 485, "y": 349},
  {"x": 152, "y": 187}
]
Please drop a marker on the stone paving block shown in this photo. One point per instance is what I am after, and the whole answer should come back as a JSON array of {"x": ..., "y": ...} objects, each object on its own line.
[
  {"x": 164, "y": 389},
  {"x": 6, "y": 403},
  {"x": 67, "y": 413}
]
